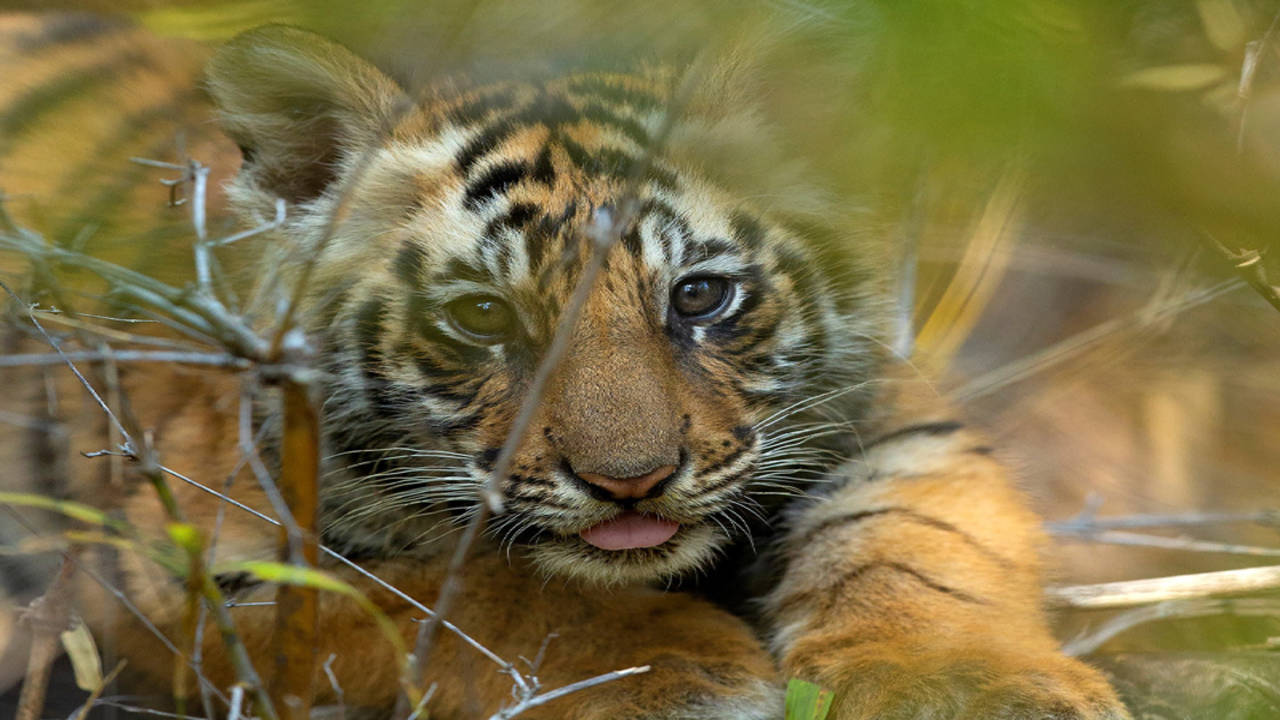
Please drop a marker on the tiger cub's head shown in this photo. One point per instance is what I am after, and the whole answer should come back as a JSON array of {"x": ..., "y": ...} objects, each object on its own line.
[{"x": 449, "y": 229}]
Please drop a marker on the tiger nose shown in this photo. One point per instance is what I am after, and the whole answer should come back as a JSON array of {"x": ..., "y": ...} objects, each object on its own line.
[{"x": 629, "y": 488}]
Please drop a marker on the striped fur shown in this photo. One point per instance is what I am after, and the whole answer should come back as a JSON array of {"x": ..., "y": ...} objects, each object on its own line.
[{"x": 877, "y": 546}]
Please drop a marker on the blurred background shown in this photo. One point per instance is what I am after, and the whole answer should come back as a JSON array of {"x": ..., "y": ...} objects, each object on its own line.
[{"x": 1064, "y": 188}]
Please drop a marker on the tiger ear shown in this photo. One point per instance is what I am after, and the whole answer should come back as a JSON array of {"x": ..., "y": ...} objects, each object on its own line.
[{"x": 300, "y": 106}]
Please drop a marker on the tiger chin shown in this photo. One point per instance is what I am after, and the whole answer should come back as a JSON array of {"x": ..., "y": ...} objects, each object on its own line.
[{"x": 726, "y": 478}]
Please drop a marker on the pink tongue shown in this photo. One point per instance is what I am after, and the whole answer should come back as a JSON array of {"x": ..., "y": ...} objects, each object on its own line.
[{"x": 630, "y": 530}]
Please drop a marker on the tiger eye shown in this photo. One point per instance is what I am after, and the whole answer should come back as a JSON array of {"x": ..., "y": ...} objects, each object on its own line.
[
  {"x": 700, "y": 297},
  {"x": 482, "y": 318}
]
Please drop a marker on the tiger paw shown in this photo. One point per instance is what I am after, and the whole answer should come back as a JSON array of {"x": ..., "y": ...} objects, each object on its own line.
[{"x": 991, "y": 683}]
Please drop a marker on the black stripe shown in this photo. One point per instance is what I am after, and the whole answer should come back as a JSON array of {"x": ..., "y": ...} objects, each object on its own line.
[
  {"x": 667, "y": 222},
  {"x": 516, "y": 217},
  {"x": 706, "y": 249},
  {"x": 725, "y": 461},
  {"x": 484, "y": 143},
  {"x": 722, "y": 483},
  {"x": 616, "y": 163},
  {"x": 860, "y": 572},
  {"x": 632, "y": 241},
  {"x": 368, "y": 331},
  {"x": 632, "y": 129},
  {"x": 547, "y": 110},
  {"x": 747, "y": 230},
  {"x": 460, "y": 269},
  {"x": 853, "y": 518},
  {"x": 945, "y": 427},
  {"x": 409, "y": 262},
  {"x": 494, "y": 182},
  {"x": 543, "y": 170},
  {"x": 538, "y": 239}
]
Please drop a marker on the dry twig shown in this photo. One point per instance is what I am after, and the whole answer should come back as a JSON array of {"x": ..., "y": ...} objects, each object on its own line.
[
  {"x": 47, "y": 616},
  {"x": 1175, "y": 587}
]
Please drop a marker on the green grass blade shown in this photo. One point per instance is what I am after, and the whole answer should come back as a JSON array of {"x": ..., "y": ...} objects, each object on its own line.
[{"x": 806, "y": 701}]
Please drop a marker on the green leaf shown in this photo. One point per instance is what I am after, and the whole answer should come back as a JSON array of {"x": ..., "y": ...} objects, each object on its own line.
[
  {"x": 286, "y": 574},
  {"x": 806, "y": 701},
  {"x": 185, "y": 536},
  {"x": 83, "y": 513}
]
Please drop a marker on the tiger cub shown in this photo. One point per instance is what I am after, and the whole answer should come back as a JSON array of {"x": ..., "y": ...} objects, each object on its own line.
[{"x": 727, "y": 478}]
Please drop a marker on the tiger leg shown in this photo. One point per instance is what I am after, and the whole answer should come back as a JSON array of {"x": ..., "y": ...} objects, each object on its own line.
[
  {"x": 703, "y": 662},
  {"x": 913, "y": 591}
]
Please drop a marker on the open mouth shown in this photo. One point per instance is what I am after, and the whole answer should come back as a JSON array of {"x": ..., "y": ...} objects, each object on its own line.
[{"x": 630, "y": 530}]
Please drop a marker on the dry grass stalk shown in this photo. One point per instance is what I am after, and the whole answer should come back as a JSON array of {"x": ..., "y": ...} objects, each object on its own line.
[
  {"x": 1175, "y": 587},
  {"x": 47, "y": 616},
  {"x": 296, "y": 609}
]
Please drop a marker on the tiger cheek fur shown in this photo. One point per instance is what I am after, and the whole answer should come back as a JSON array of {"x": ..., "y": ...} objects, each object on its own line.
[{"x": 723, "y": 420}]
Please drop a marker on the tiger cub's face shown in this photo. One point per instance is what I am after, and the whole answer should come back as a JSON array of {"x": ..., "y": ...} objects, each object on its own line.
[{"x": 463, "y": 222}]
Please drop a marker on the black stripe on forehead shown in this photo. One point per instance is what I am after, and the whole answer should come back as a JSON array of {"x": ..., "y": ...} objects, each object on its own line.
[
  {"x": 546, "y": 109},
  {"x": 604, "y": 116},
  {"x": 493, "y": 183},
  {"x": 536, "y": 229},
  {"x": 552, "y": 112},
  {"x": 515, "y": 218},
  {"x": 667, "y": 222},
  {"x": 612, "y": 162}
]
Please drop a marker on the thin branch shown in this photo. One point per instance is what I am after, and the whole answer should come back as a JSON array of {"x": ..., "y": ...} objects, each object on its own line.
[
  {"x": 1139, "y": 592},
  {"x": 550, "y": 695},
  {"x": 58, "y": 349},
  {"x": 1120, "y": 537},
  {"x": 1087, "y": 522},
  {"x": 1249, "y": 266},
  {"x": 221, "y": 360}
]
